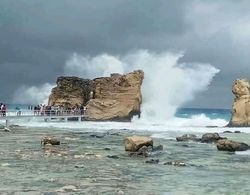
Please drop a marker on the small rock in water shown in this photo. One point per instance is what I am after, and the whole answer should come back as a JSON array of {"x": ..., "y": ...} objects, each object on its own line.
[
  {"x": 113, "y": 156},
  {"x": 237, "y": 131},
  {"x": 6, "y": 129},
  {"x": 187, "y": 137},
  {"x": 69, "y": 188},
  {"x": 107, "y": 149},
  {"x": 175, "y": 163},
  {"x": 79, "y": 166},
  {"x": 157, "y": 148},
  {"x": 134, "y": 143},
  {"x": 231, "y": 146},
  {"x": 49, "y": 140},
  {"x": 211, "y": 137},
  {"x": 152, "y": 161},
  {"x": 227, "y": 132},
  {"x": 97, "y": 136}
]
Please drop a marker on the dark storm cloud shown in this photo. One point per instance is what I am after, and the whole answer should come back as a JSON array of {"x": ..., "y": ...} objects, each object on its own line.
[{"x": 36, "y": 37}]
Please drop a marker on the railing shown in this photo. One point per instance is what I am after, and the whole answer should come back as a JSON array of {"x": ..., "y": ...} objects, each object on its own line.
[{"x": 43, "y": 113}]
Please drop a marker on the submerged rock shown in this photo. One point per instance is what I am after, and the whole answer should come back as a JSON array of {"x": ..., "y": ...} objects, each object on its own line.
[
  {"x": 211, "y": 137},
  {"x": 49, "y": 141},
  {"x": 227, "y": 132},
  {"x": 134, "y": 143},
  {"x": 113, "y": 156},
  {"x": 231, "y": 146},
  {"x": 152, "y": 161},
  {"x": 68, "y": 188},
  {"x": 176, "y": 163},
  {"x": 187, "y": 137},
  {"x": 158, "y": 148}
]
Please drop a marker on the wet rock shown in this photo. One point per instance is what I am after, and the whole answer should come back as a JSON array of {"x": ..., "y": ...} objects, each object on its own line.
[
  {"x": 187, "y": 137},
  {"x": 69, "y": 188},
  {"x": 113, "y": 156},
  {"x": 176, "y": 163},
  {"x": 211, "y": 137},
  {"x": 134, "y": 143},
  {"x": 158, "y": 148},
  {"x": 231, "y": 146},
  {"x": 143, "y": 151},
  {"x": 237, "y": 132},
  {"x": 152, "y": 161},
  {"x": 227, "y": 132},
  {"x": 79, "y": 166},
  {"x": 97, "y": 136},
  {"x": 108, "y": 149},
  {"x": 49, "y": 141},
  {"x": 6, "y": 129}
]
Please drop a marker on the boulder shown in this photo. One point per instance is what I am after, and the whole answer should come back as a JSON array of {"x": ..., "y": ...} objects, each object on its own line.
[
  {"x": 116, "y": 98},
  {"x": 241, "y": 105},
  {"x": 49, "y": 141},
  {"x": 211, "y": 137},
  {"x": 231, "y": 146},
  {"x": 134, "y": 143},
  {"x": 187, "y": 137}
]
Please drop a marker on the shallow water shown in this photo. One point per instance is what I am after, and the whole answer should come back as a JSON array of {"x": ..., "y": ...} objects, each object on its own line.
[{"x": 81, "y": 160}]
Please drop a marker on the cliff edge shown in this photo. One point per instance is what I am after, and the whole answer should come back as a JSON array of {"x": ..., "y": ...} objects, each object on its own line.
[
  {"x": 241, "y": 105},
  {"x": 117, "y": 97}
]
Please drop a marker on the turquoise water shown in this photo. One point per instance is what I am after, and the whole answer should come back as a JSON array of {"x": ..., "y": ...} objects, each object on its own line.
[{"x": 83, "y": 159}]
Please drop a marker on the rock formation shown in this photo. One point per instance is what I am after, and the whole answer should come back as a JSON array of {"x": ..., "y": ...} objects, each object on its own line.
[
  {"x": 241, "y": 106},
  {"x": 117, "y": 97}
]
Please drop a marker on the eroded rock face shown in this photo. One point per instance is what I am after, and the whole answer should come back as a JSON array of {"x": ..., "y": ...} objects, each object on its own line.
[
  {"x": 231, "y": 146},
  {"x": 70, "y": 92},
  {"x": 134, "y": 143},
  {"x": 117, "y": 97},
  {"x": 241, "y": 106}
]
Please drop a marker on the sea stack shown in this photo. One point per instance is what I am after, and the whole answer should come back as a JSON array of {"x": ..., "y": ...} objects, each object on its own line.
[
  {"x": 241, "y": 105},
  {"x": 116, "y": 98}
]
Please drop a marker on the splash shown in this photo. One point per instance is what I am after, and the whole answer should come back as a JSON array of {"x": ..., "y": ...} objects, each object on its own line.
[
  {"x": 33, "y": 94},
  {"x": 167, "y": 85}
]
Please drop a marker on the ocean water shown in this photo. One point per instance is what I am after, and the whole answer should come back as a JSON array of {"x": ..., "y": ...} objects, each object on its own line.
[{"x": 83, "y": 158}]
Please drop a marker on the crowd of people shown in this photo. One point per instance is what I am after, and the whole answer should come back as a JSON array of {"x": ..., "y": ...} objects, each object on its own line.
[
  {"x": 46, "y": 110},
  {"x": 3, "y": 109}
]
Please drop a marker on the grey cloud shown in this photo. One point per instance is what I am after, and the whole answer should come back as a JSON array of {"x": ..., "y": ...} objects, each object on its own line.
[{"x": 36, "y": 37}]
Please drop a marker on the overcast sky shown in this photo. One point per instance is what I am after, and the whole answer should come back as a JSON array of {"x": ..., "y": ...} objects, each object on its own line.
[{"x": 37, "y": 37}]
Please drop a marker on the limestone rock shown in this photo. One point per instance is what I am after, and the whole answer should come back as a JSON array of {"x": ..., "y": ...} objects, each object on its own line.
[
  {"x": 211, "y": 137},
  {"x": 241, "y": 105},
  {"x": 70, "y": 92},
  {"x": 117, "y": 97},
  {"x": 134, "y": 143},
  {"x": 231, "y": 146},
  {"x": 50, "y": 141}
]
